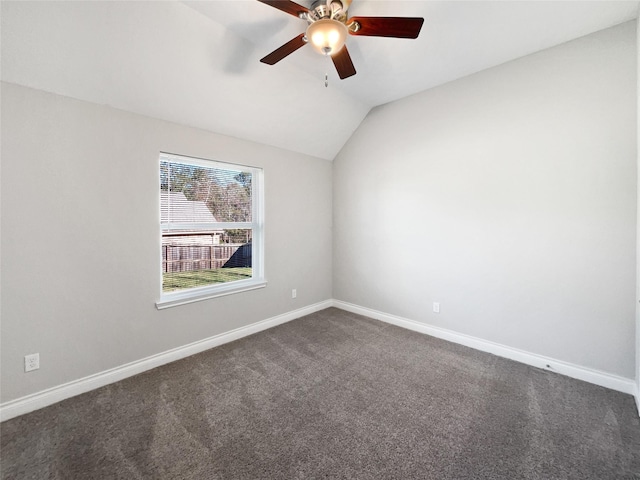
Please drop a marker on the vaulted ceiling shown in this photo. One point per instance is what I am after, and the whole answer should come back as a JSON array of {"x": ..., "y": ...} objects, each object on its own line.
[{"x": 197, "y": 63}]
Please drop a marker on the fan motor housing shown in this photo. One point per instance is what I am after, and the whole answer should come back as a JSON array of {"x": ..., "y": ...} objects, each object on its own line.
[{"x": 321, "y": 9}]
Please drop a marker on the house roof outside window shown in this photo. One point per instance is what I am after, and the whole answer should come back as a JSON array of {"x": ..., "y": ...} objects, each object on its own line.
[{"x": 176, "y": 208}]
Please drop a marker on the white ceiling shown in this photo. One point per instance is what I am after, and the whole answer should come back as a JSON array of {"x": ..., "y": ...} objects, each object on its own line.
[{"x": 197, "y": 63}]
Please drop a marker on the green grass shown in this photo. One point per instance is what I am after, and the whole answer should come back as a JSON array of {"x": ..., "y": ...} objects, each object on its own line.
[{"x": 200, "y": 278}]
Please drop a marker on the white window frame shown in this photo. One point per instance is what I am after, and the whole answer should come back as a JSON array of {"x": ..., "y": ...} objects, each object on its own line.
[{"x": 181, "y": 297}]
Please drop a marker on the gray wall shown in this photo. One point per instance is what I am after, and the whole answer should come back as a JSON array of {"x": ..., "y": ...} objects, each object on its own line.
[
  {"x": 638, "y": 218},
  {"x": 81, "y": 238},
  {"x": 509, "y": 197}
]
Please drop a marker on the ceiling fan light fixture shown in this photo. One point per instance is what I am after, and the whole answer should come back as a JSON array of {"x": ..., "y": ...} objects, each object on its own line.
[
  {"x": 329, "y": 26},
  {"x": 327, "y": 36}
]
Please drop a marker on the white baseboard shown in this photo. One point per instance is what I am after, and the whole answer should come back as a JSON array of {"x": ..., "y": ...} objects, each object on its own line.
[
  {"x": 596, "y": 377},
  {"x": 56, "y": 394}
]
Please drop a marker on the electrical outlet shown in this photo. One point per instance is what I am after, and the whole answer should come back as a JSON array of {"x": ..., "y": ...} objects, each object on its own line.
[
  {"x": 294, "y": 293},
  {"x": 436, "y": 307},
  {"x": 31, "y": 362}
]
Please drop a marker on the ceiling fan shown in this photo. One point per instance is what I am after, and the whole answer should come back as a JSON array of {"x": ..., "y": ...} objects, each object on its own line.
[{"x": 328, "y": 28}]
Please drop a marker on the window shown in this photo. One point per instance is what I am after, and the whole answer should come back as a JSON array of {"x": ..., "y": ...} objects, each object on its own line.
[{"x": 211, "y": 229}]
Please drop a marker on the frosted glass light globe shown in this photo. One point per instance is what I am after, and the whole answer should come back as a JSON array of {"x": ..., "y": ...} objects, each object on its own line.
[{"x": 327, "y": 36}]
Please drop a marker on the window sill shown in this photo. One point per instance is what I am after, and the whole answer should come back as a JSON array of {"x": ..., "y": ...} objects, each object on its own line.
[{"x": 181, "y": 298}]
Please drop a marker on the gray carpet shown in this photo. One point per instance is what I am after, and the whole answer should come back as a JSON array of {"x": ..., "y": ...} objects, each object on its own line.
[{"x": 332, "y": 395}]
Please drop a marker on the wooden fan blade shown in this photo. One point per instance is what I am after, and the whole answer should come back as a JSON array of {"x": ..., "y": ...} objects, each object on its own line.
[
  {"x": 286, "y": 49},
  {"x": 287, "y": 6},
  {"x": 397, "y": 27},
  {"x": 343, "y": 63}
]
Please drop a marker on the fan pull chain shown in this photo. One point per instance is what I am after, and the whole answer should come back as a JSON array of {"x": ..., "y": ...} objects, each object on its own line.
[{"x": 326, "y": 80}]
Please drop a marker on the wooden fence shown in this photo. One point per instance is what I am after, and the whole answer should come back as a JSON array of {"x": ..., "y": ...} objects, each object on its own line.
[{"x": 183, "y": 258}]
